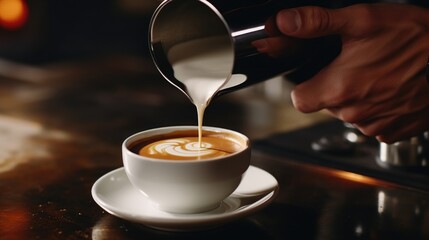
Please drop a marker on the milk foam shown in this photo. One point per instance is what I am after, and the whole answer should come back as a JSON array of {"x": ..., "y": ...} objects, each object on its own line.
[{"x": 204, "y": 66}]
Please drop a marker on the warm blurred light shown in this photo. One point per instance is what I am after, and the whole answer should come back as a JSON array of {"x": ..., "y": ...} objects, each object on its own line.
[
  {"x": 357, "y": 177},
  {"x": 14, "y": 223},
  {"x": 13, "y": 13}
]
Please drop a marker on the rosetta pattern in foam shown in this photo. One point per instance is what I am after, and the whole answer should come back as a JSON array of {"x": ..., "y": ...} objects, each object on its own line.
[{"x": 183, "y": 148}]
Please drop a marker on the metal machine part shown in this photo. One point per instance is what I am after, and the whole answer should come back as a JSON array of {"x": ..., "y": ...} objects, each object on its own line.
[{"x": 412, "y": 153}]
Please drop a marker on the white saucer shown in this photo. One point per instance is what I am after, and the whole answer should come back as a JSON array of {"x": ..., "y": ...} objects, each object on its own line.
[{"x": 115, "y": 194}]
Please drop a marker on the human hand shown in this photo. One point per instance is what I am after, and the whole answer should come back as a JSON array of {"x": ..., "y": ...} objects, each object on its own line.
[{"x": 377, "y": 82}]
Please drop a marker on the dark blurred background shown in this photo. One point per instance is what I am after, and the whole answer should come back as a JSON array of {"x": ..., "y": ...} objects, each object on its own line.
[{"x": 43, "y": 31}]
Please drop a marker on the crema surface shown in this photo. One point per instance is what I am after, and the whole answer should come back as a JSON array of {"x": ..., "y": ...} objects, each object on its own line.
[{"x": 188, "y": 148}]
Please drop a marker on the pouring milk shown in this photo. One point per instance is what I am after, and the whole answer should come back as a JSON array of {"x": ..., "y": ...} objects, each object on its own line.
[{"x": 204, "y": 66}]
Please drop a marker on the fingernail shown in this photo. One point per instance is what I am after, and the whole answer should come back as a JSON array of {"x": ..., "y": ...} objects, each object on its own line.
[
  {"x": 260, "y": 45},
  {"x": 288, "y": 21}
]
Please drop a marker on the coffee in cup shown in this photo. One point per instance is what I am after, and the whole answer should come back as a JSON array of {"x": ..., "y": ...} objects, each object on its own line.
[
  {"x": 170, "y": 169},
  {"x": 184, "y": 145}
]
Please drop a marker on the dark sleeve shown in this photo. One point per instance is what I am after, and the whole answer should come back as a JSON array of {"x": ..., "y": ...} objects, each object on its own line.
[{"x": 422, "y": 3}]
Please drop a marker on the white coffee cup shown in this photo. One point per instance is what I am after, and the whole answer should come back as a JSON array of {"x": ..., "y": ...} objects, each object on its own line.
[{"x": 186, "y": 186}]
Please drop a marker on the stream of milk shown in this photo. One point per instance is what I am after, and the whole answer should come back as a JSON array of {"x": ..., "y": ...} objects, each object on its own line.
[{"x": 204, "y": 66}]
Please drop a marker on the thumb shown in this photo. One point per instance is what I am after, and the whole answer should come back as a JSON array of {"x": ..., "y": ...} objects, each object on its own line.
[{"x": 311, "y": 22}]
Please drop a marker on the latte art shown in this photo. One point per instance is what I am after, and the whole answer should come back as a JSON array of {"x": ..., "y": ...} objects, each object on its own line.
[
  {"x": 188, "y": 148},
  {"x": 181, "y": 147}
]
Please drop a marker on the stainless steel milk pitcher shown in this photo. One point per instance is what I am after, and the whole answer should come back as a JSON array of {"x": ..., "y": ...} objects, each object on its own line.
[{"x": 238, "y": 23}]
